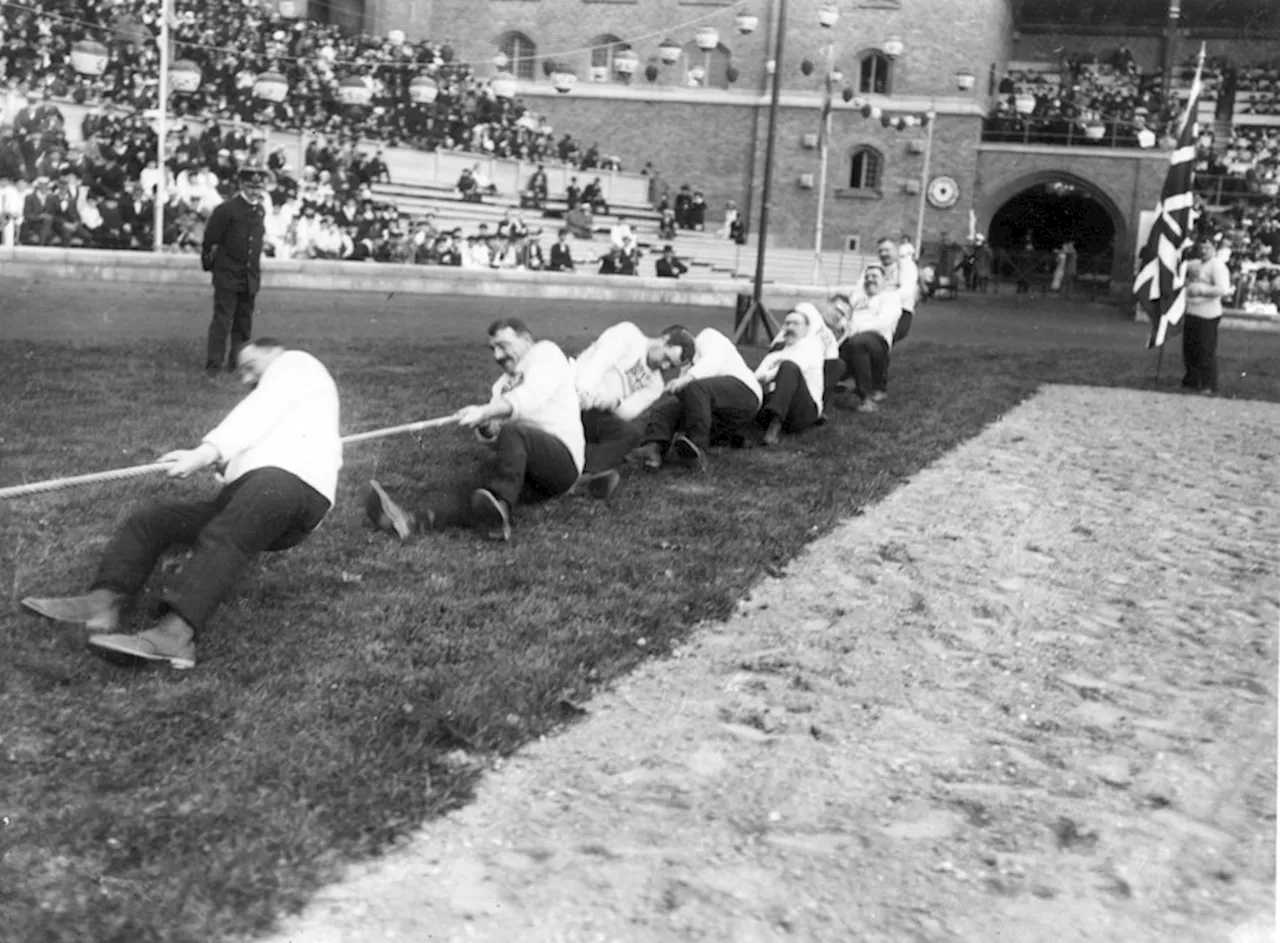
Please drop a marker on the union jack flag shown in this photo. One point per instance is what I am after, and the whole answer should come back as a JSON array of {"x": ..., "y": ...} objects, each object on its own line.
[{"x": 1160, "y": 287}]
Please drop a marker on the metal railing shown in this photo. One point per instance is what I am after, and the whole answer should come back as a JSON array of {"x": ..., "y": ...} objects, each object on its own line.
[{"x": 1062, "y": 132}]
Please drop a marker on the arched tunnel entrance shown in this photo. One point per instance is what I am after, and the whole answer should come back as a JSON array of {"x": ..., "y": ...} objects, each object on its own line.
[{"x": 1034, "y": 217}]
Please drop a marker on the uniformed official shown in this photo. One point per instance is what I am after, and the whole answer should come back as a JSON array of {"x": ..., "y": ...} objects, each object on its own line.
[{"x": 232, "y": 251}]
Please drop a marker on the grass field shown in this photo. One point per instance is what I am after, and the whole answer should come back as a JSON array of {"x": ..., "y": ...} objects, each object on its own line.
[{"x": 354, "y": 686}]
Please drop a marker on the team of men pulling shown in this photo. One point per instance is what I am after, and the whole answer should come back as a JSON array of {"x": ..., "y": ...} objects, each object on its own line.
[{"x": 555, "y": 425}]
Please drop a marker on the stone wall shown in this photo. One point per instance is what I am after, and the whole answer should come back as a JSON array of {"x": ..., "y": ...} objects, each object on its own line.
[
  {"x": 1125, "y": 182},
  {"x": 940, "y": 36}
]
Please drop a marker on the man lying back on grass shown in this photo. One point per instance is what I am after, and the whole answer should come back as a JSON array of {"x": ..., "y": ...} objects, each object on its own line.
[
  {"x": 533, "y": 423},
  {"x": 279, "y": 454}
]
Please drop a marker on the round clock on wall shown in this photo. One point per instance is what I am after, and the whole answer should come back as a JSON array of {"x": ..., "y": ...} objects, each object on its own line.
[{"x": 943, "y": 192}]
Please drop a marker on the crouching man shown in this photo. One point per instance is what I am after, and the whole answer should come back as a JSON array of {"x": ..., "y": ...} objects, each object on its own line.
[
  {"x": 714, "y": 399},
  {"x": 279, "y": 452},
  {"x": 791, "y": 375},
  {"x": 618, "y": 378},
  {"x": 533, "y": 424}
]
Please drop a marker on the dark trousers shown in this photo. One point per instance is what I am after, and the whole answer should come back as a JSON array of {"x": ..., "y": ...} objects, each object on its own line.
[
  {"x": 232, "y": 315},
  {"x": 267, "y": 509},
  {"x": 789, "y": 400},
  {"x": 904, "y": 326},
  {"x": 528, "y": 465},
  {"x": 867, "y": 356},
  {"x": 833, "y": 371},
  {"x": 1200, "y": 353},
  {"x": 36, "y": 232},
  {"x": 715, "y": 409},
  {"x": 609, "y": 439}
]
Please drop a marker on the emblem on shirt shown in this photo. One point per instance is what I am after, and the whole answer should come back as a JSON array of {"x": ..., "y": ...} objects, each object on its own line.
[{"x": 636, "y": 377}]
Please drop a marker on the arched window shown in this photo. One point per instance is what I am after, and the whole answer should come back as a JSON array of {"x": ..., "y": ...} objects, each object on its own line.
[
  {"x": 604, "y": 49},
  {"x": 865, "y": 167},
  {"x": 874, "y": 72},
  {"x": 706, "y": 69},
  {"x": 520, "y": 52}
]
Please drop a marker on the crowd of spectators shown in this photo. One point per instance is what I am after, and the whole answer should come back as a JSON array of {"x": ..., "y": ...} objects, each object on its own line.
[
  {"x": 1238, "y": 186},
  {"x": 101, "y": 194},
  {"x": 1258, "y": 90},
  {"x": 232, "y": 43},
  {"x": 1248, "y": 239},
  {"x": 1087, "y": 101}
]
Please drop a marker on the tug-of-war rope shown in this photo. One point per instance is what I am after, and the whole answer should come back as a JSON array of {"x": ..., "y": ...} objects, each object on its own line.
[{"x": 137, "y": 471}]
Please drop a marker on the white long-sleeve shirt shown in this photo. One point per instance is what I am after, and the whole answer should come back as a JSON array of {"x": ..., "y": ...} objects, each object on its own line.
[
  {"x": 908, "y": 282},
  {"x": 1216, "y": 276},
  {"x": 808, "y": 355},
  {"x": 614, "y": 375},
  {"x": 541, "y": 392},
  {"x": 878, "y": 314},
  {"x": 289, "y": 421},
  {"x": 716, "y": 356}
]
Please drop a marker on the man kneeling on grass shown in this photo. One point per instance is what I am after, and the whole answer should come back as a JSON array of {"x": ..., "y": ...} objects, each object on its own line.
[
  {"x": 533, "y": 424},
  {"x": 791, "y": 375},
  {"x": 715, "y": 398},
  {"x": 279, "y": 453},
  {"x": 618, "y": 378}
]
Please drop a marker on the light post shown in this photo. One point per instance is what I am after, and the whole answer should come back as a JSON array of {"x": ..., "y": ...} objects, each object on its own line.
[
  {"x": 756, "y": 311},
  {"x": 161, "y": 196},
  {"x": 827, "y": 17},
  {"x": 931, "y": 117}
]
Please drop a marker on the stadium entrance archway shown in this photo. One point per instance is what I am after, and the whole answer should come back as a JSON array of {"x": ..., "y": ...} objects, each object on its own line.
[{"x": 1042, "y": 210}]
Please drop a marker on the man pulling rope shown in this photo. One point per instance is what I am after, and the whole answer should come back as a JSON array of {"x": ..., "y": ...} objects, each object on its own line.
[{"x": 279, "y": 454}]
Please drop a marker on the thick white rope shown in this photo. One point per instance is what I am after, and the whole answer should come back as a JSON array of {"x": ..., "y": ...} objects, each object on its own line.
[{"x": 137, "y": 471}]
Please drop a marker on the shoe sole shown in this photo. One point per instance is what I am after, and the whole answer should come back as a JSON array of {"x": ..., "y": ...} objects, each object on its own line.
[
  {"x": 99, "y": 622},
  {"x": 128, "y": 655},
  {"x": 603, "y": 487},
  {"x": 398, "y": 519},
  {"x": 688, "y": 454},
  {"x": 486, "y": 507}
]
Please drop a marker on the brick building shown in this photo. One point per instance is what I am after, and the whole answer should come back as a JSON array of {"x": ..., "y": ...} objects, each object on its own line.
[{"x": 702, "y": 118}]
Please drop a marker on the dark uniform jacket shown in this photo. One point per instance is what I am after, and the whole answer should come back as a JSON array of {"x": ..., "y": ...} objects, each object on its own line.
[
  {"x": 561, "y": 257},
  {"x": 232, "y": 248},
  {"x": 669, "y": 269}
]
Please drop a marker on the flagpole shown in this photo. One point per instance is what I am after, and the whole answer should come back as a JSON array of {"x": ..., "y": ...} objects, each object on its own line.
[
  {"x": 1160, "y": 284},
  {"x": 161, "y": 196}
]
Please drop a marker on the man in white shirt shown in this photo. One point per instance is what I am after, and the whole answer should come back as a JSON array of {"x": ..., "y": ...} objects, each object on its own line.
[
  {"x": 619, "y": 377},
  {"x": 533, "y": 424},
  {"x": 11, "y": 205},
  {"x": 477, "y": 254},
  {"x": 713, "y": 400},
  {"x": 872, "y": 327},
  {"x": 791, "y": 376},
  {"x": 622, "y": 235},
  {"x": 278, "y": 452},
  {"x": 900, "y": 275}
]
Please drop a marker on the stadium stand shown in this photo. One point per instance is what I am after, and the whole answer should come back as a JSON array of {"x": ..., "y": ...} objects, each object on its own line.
[{"x": 1080, "y": 102}]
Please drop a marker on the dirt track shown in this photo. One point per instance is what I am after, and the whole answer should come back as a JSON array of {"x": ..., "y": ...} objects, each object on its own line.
[{"x": 1029, "y": 697}]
